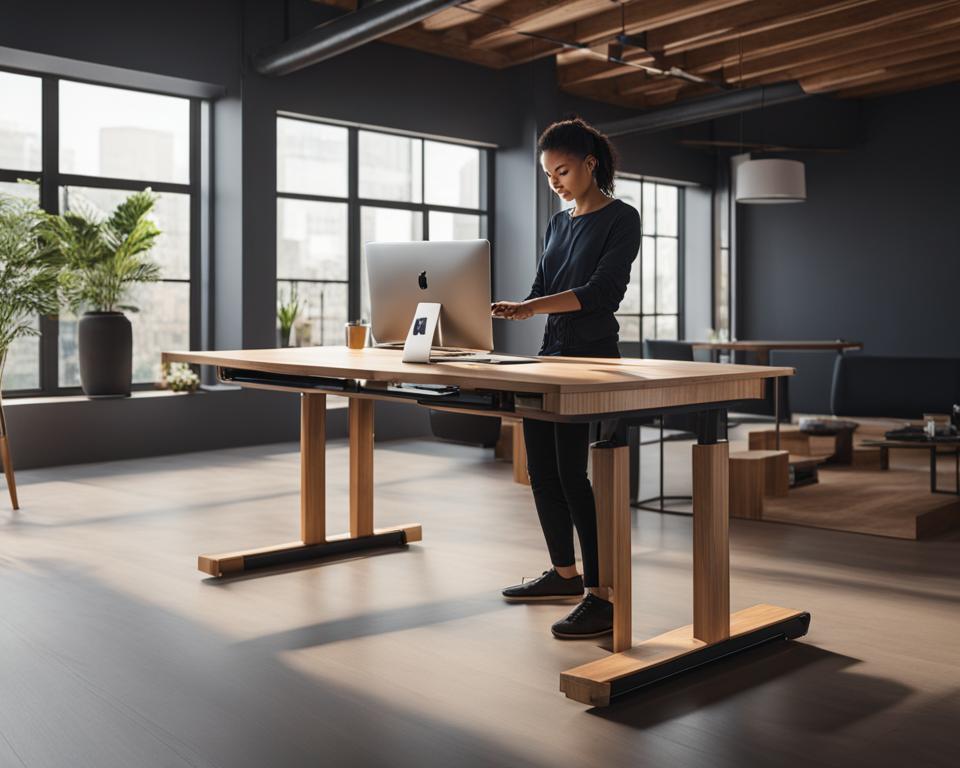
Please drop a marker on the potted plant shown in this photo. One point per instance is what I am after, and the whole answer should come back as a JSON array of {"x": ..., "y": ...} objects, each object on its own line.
[
  {"x": 102, "y": 259},
  {"x": 287, "y": 312},
  {"x": 28, "y": 288}
]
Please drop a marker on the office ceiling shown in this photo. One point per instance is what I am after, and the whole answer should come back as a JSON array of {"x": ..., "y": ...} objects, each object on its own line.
[{"x": 850, "y": 48}]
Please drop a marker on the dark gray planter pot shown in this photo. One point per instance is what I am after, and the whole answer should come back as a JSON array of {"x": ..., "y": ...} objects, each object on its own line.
[{"x": 105, "y": 341}]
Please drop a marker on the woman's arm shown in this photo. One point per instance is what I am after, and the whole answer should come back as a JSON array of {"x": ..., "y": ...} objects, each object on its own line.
[{"x": 541, "y": 305}]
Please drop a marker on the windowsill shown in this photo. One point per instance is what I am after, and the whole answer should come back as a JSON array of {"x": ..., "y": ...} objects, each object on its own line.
[{"x": 333, "y": 401}]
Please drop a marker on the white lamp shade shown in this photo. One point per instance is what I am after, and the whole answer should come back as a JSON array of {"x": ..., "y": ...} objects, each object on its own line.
[{"x": 771, "y": 181}]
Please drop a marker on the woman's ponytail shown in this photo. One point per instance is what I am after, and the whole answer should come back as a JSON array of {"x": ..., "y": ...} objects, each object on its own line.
[{"x": 581, "y": 139}]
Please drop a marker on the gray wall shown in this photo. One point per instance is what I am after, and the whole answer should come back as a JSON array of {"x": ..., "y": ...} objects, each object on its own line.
[{"x": 873, "y": 255}]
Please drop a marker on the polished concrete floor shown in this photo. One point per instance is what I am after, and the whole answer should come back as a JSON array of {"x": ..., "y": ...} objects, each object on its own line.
[{"x": 116, "y": 651}]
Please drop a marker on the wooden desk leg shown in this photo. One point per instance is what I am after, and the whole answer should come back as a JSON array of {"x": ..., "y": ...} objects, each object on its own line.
[
  {"x": 711, "y": 548},
  {"x": 611, "y": 487},
  {"x": 520, "y": 474},
  {"x": 314, "y": 544},
  {"x": 313, "y": 487},
  {"x": 361, "y": 467},
  {"x": 715, "y": 632}
]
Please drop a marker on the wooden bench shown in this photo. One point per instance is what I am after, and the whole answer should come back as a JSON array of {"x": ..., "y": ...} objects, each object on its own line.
[{"x": 510, "y": 447}]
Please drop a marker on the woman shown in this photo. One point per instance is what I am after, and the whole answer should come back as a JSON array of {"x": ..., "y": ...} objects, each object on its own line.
[{"x": 581, "y": 279}]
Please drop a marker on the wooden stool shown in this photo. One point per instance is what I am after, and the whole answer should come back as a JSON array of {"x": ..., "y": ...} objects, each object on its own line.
[
  {"x": 753, "y": 475},
  {"x": 791, "y": 440}
]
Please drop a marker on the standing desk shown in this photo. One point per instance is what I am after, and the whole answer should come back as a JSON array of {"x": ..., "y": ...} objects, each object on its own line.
[{"x": 551, "y": 389}]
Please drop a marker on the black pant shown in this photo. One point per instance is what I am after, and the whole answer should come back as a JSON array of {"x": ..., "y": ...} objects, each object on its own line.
[{"x": 557, "y": 463}]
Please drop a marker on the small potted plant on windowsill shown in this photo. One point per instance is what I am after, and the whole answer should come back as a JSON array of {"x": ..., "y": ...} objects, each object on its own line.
[
  {"x": 102, "y": 260},
  {"x": 28, "y": 288},
  {"x": 288, "y": 309}
]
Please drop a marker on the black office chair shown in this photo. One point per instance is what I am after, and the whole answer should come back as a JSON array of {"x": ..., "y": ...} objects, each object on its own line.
[{"x": 682, "y": 425}]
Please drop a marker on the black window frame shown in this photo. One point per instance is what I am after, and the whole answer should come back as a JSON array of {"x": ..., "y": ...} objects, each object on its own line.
[
  {"x": 50, "y": 180},
  {"x": 638, "y": 263},
  {"x": 355, "y": 203}
]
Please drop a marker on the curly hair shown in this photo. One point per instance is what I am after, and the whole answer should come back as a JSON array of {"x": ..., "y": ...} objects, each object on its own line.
[{"x": 577, "y": 137}]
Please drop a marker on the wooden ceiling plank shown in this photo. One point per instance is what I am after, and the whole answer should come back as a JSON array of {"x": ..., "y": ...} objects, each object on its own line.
[
  {"x": 743, "y": 21},
  {"x": 906, "y": 83},
  {"x": 854, "y": 21},
  {"x": 445, "y": 44},
  {"x": 458, "y": 16},
  {"x": 646, "y": 15},
  {"x": 539, "y": 17},
  {"x": 600, "y": 69},
  {"x": 878, "y": 71},
  {"x": 905, "y": 50},
  {"x": 938, "y": 26},
  {"x": 639, "y": 16}
]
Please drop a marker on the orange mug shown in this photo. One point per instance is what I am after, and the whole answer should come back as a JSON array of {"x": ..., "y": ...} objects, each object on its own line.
[{"x": 357, "y": 333}]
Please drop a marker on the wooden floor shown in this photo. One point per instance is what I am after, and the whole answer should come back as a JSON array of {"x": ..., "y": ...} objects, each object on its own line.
[{"x": 115, "y": 651}]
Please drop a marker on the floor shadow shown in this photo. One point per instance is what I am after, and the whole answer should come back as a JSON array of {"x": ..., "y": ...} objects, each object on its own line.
[
  {"x": 814, "y": 689},
  {"x": 377, "y": 623}
]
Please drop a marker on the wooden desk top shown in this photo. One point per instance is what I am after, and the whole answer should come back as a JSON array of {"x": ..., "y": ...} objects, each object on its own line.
[
  {"x": 569, "y": 386},
  {"x": 766, "y": 346},
  {"x": 568, "y": 374}
]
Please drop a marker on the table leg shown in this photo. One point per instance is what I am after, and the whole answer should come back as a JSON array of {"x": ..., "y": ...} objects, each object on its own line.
[
  {"x": 314, "y": 544},
  {"x": 715, "y": 632},
  {"x": 611, "y": 483},
  {"x": 361, "y": 467},
  {"x": 711, "y": 549}
]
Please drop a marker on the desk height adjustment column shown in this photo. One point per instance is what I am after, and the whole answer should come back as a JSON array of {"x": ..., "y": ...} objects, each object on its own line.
[
  {"x": 711, "y": 529},
  {"x": 715, "y": 632},
  {"x": 314, "y": 544}
]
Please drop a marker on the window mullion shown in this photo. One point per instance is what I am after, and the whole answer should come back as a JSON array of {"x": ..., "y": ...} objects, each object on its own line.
[
  {"x": 49, "y": 186},
  {"x": 353, "y": 223}
]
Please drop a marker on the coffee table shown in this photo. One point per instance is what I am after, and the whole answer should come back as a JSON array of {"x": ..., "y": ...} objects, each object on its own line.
[{"x": 953, "y": 444}]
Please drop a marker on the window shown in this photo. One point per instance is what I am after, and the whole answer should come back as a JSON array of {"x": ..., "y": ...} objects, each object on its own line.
[
  {"x": 722, "y": 288},
  {"x": 651, "y": 307},
  {"x": 339, "y": 187},
  {"x": 107, "y": 142},
  {"x": 20, "y": 160}
]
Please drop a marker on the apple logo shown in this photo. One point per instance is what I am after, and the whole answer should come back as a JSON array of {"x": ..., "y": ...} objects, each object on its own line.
[{"x": 422, "y": 280}]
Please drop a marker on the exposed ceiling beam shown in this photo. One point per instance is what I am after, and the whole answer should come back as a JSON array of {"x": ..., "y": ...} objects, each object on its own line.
[
  {"x": 448, "y": 44},
  {"x": 742, "y": 21},
  {"x": 934, "y": 27},
  {"x": 539, "y": 15},
  {"x": 879, "y": 71},
  {"x": 907, "y": 82},
  {"x": 638, "y": 16},
  {"x": 716, "y": 27},
  {"x": 907, "y": 50},
  {"x": 459, "y": 15},
  {"x": 850, "y": 22}
]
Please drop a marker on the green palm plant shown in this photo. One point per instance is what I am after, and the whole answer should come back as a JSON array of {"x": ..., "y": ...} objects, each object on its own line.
[
  {"x": 103, "y": 259},
  {"x": 28, "y": 288},
  {"x": 28, "y": 272}
]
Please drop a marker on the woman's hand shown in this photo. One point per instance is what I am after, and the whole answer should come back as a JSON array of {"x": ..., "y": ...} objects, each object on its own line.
[{"x": 511, "y": 310}]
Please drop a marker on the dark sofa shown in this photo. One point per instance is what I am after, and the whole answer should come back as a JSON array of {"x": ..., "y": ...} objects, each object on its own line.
[{"x": 894, "y": 387}]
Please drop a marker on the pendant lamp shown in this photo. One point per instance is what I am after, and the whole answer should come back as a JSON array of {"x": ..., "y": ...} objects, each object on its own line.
[{"x": 771, "y": 180}]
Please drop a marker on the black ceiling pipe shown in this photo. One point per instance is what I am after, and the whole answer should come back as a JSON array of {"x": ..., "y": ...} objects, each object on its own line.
[
  {"x": 343, "y": 34},
  {"x": 707, "y": 108}
]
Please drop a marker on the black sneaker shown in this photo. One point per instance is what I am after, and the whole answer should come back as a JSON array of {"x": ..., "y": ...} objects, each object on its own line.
[
  {"x": 550, "y": 585},
  {"x": 592, "y": 618}
]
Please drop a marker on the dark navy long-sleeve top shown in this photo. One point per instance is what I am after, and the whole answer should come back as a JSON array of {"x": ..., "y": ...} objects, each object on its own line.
[{"x": 591, "y": 255}]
